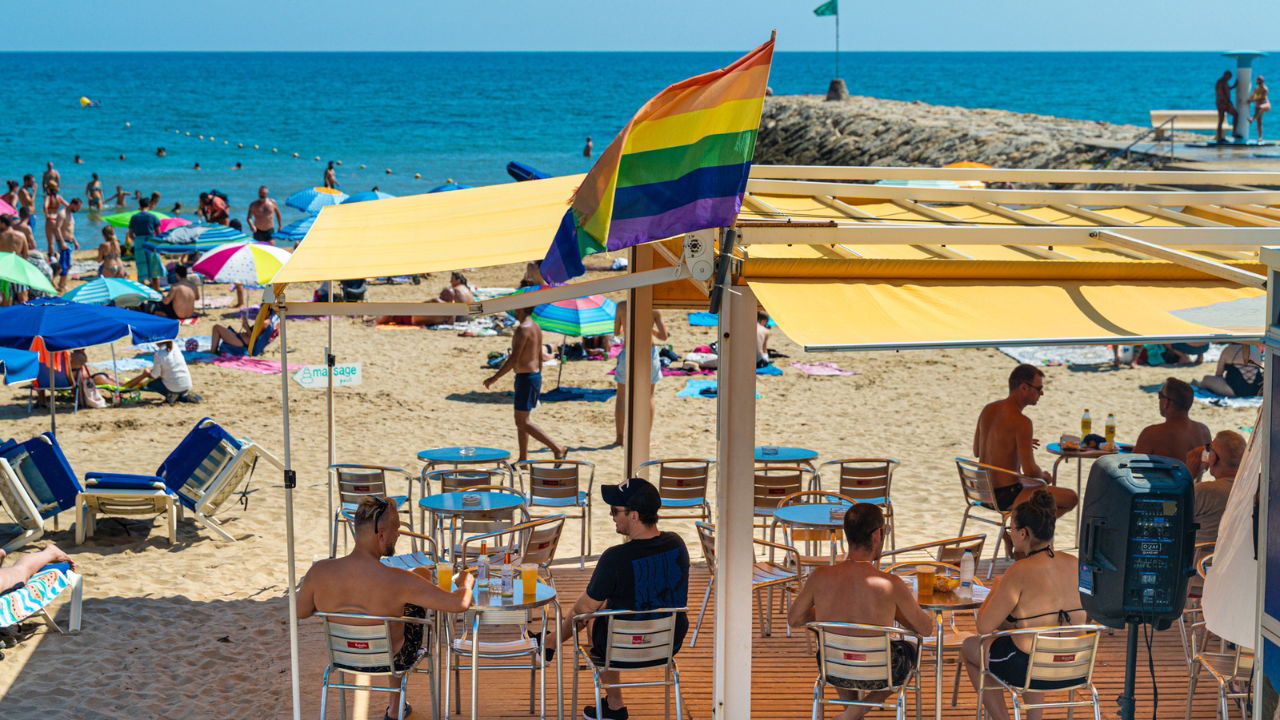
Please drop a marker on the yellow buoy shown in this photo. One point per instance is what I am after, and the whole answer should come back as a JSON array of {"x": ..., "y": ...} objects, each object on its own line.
[
  {"x": 337, "y": 162},
  {"x": 200, "y": 136},
  {"x": 84, "y": 101},
  {"x": 417, "y": 176},
  {"x": 295, "y": 154},
  {"x": 361, "y": 166}
]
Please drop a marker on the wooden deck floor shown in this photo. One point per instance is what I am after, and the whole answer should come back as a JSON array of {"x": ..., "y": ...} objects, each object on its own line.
[{"x": 783, "y": 671}]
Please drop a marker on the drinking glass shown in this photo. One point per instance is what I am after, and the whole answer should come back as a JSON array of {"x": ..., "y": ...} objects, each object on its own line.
[
  {"x": 925, "y": 575},
  {"x": 468, "y": 451},
  {"x": 444, "y": 576},
  {"x": 529, "y": 579}
]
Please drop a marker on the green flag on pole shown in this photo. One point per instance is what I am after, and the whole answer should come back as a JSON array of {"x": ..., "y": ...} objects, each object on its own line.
[{"x": 831, "y": 7}]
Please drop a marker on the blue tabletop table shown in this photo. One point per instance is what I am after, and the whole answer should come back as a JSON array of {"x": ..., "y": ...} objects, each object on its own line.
[
  {"x": 815, "y": 515},
  {"x": 1079, "y": 455},
  {"x": 453, "y": 503},
  {"x": 788, "y": 455},
  {"x": 460, "y": 456}
]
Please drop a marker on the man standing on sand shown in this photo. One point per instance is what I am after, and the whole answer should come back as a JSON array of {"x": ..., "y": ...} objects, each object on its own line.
[
  {"x": 330, "y": 176},
  {"x": 1178, "y": 434},
  {"x": 1004, "y": 438},
  {"x": 360, "y": 583},
  {"x": 856, "y": 591},
  {"x": 526, "y": 359},
  {"x": 93, "y": 193},
  {"x": 27, "y": 198},
  {"x": 143, "y": 226},
  {"x": 264, "y": 216},
  {"x": 1222, "y": 96}
]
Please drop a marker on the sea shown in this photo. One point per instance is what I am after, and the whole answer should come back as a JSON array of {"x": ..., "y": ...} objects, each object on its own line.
[{"x": 408, "y": 122}]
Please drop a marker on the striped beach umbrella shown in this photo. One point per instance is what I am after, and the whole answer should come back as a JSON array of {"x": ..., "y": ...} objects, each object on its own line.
[
  {"x": 312, "y": 200},
  {"x": 103, "y": 291},
  {"x": 17, "y": 269},
  {"x": 246, "y": 263},
  {"x": 366, "y": 196},
  {"x": 121, "y": 220},
  {"x": 584, "y": 317},
  {"x": 296, "y": 230}
]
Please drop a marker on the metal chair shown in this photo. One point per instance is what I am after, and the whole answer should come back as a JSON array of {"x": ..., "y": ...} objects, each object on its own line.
[
  {"x": 515, "y": 643},
  {"x": 812, "y": 537},
  {"x": 772, "y": 483},
  {"x": 462, "y": 479},
  {"x": 366, "y": 649},
  {"x": 356, "y": 481},
  {"x": 557, "y": 484},
  {"x": 637, "y": 639},
  {"x": 682, "y": 485},
  {"x": 866, "y": 480},
  {"x": 1229, "y": 667},
  {"x": 949, "y": 550},
  {"x": 1063, "y": 655},
  {"x": 483, "y": 523},
  {"x": 1192, "y": 612},
  {"x": 866, "y": 658},
  {"x": 766, "y": 575},
  {"x": 980, "y": 494}
]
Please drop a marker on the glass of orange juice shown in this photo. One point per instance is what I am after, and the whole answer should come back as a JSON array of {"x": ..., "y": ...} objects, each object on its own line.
[
  {"x": 444, "y": 576},
  {"x": 925, "y": 577},
  {"x": 529, "y": 579}
]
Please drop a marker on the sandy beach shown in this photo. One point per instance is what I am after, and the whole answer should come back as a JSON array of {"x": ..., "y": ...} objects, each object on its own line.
[{"x": 199, "y": 629}]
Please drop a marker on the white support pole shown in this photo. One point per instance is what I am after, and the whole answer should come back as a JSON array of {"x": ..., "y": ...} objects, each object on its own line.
[
  {"x": 1186, "y": 259},
  {"x": 329, "y": 362},
  {"x": 288, "y": 513},
  {"x": 639, "y": 351},
  {"x": 1268, "y": 626},
  {"x": 735, "y": 435}
]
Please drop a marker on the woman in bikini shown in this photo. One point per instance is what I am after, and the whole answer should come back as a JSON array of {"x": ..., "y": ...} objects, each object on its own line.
[
  {"x": 109, "y": 264},
  {"x": 1261, "y": 99},
  {"x": 1038, "y": 590}
]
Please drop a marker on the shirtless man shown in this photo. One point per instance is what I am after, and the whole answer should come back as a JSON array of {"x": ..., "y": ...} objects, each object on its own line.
[
  {"x": 11, "y": 195},
  {"x": 762, "y": 338},
  {"x": 330, "y": 176},
  {"x": 1178, "y": 434},
  {"x": 1222, "y": 96},
  {"x": 93, "y": 193},
  {"x": 526, "y": 359},
  {"x": 1004, "y": 439},
  {"x": 360, "y": 584},
  {"x": 658, "y": 330},
  {"x": 855, "y": 591},
  {"x": 27, "y": 198},
  {"x": 50, "y": 175},
  {"x": 67, "y": 233},
  {"x": 180, "y": 302},
  {"x": 264, "y": 216}
]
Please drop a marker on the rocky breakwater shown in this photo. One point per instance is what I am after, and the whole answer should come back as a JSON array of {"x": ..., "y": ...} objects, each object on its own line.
[{"x": 809, "y": 130}]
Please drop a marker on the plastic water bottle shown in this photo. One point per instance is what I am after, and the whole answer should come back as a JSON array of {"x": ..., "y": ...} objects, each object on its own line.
[
  {"x": 966, "y": 575},
  {"x": 482, "y": 567},
  {"x": 1086, "y": 423},
  {"x": 1111, "y": 428},
  {"x": 506, "y": 580}
]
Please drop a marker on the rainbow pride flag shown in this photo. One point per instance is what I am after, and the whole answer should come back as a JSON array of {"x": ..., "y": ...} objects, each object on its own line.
[{"x": 680, "y": 165}]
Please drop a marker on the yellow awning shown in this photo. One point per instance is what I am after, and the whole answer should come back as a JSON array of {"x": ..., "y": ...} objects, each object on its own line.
[
  {"x": 478, "y": 227},
  {"x": 865, "y": 314}
]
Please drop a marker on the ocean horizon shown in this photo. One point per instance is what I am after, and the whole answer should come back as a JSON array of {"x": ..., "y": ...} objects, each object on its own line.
[{"x": 463, "y": 116}]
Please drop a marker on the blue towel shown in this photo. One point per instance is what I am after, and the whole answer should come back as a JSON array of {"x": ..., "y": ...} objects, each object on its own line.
[
  {"x": 564, "y": 394},
  {"x": 706, "y": 319},
  {"x": 693, "y": 388},
  {"x": 769, "y": 369}
]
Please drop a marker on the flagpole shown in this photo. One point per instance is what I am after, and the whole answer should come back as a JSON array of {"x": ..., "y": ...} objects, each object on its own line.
[{"x": 837, "y": 42}]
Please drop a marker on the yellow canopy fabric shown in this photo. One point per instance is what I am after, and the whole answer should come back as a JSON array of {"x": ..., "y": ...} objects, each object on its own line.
[
  {"x": 477, "y": 227},
  {"x": 865, "y": 314}
]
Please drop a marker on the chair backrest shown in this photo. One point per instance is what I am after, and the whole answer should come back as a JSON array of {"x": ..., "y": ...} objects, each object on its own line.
[
  {"x": 198, "y": 459},
  {"x": 1063, "y": 655},
  {"x": 60, "y": 361},
  {"x": 14, "y": 497},
  {"x": 680, "y": 478},
  {"x": 555, "y": 479},
  {"x": 775, "y": 482},
  {"x": 864, "y": 479},
  {"x": 233, "y": 474},
  {"x": 863, "y": 657},
  {"x": 949, "y": 550},
  {"x": 976, "y": 483},
  {"x": 494, "y": 520},
  {"x": 358, "y": 648},
  {"x": 707, "y": 536},
  {"x": 806, "y": 497},
  {"x": 459, "y": 479},
  {"x": 542, "y": 538},
  {"x": 354, "y": 483},
  {"x": 639, "y": 638},
  {"x": 43, "y": 469}
]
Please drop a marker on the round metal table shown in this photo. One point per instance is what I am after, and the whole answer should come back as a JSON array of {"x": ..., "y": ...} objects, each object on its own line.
[
  {"x": 816, "y": 516},
  {"x": 939, "y": 603},
  {"x": 465, "y": 456},
  {"x": 785, "y": 455},
  {"x": 452, "y": 504},
  {"x": 1080, "y": 456}
]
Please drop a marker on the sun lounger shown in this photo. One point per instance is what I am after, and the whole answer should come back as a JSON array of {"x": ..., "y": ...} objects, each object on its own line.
[
  {"x": 43, "y": 471},
  {"x": 35, "y": 595},
  {"x": 27, "y": 525}
]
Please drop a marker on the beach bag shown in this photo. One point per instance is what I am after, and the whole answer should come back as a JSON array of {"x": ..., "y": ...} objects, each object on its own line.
[
  {"x": 89, "y": 395},
  {"x": 706, "y": 360}
]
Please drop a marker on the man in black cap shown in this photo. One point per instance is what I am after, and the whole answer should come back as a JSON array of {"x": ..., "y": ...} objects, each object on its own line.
[{"x": 649, "y": 571}]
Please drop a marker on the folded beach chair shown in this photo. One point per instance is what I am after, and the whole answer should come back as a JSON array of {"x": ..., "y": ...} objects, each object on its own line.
[
  {"x": 62, "y": 380},
  {"x": 35, "y": 595},
  {"x": 200, "y": 474},
  {"x": 43, "y": 470},
  {"x": 27, "y": 525}
]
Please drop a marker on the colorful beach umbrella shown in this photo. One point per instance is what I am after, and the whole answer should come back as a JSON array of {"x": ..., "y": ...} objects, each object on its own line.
[
  {"x": 17, "y": 269},
  {"x": 104, "y": 291},
  {"x": 295, "y": 231},
  {"x": 579, "y": 317},
  {"x": 170, "y": 223},
  {"x": 18, "y": 366},
  {"x": 366, "y": 196},
  {"x": 204, "y": 233},
  {"x": 121, "y": 220},
  {"x": 312, "y": 200},
  {"x": 246, "y": 263}
]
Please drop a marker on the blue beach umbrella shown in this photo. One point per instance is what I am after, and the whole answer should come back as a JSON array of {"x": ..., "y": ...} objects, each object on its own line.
[
  {"x": 60, "y": 324},
  {"x": 449, "y": 185},
  {"x": 366, "y": 196},
  {"x": 203, "y": 233},
  {"x": 312, "y": 200},
  {"x": 18, "y": 366},
  {"x": 296, "y": 230},
  {"x": 104, "y": 291}
]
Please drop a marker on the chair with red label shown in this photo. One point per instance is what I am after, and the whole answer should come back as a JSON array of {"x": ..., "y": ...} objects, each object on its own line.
[
  {"x": 773, "y": 483},
  {"x": 858, "y": 660},
  {"x": 558, "y": 484},
  {"x": 1061, "y": 659},
  {"x": 354, "y": 482},
  {"x": 682, "y": 485},
  {"x": 361, "y": 645},
  {"x": 634, "y": 640}
]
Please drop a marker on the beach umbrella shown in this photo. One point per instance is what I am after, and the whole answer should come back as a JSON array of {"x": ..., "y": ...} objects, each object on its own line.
[
  {"x": 121, "y": 220},
  {"x": 522, "y": 172},
  {"x": 19, "y": 270},
  {"x": 366, "y": 196},
  {"x": 295, "y": 231},
  {"x": 449, "y": 185},
  {"x": 59, "y": 324},
  {"x": 312, "y": 200},
  {"x": 204, "y": 233},
  {"x": 104, "y": 291},
  {"x": 245, "y": 263},
  {"x": 578, "y": 317},
  {"x": 7, "y": 209},
  {"x": 18, "y": 366},
  {"x": 170, "y": 223}
]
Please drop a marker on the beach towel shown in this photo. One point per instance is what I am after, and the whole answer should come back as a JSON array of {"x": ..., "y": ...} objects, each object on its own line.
[
  {"x": 822, "y": 369},
  {"x": 203, "y": 343},
  {"x": 189, "y": 321},
  {"x": 1209, "y": 398},
  {"x": 130, "y": 364},
  {"x": 251, "y": 364},
  {"x": 28, "y": 599},
  {"x": 769, "y": 369},
  {"x": 1049, "y": 355},
  {"x": 695, "y": 387},
  {"x": 706, "y": 319},
  {"x": 566, "y": 394}
]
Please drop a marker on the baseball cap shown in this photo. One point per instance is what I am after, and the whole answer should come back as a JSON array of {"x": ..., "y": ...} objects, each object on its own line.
[{"x": 635, "y": 494}]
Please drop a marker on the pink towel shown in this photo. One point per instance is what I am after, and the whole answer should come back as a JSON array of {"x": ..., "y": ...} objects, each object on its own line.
[
  {"x": 822, "y": 368},
  {"x": 257, "y": 365}
]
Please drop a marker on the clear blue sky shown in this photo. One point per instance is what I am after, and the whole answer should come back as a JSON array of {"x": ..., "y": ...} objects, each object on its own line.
[{"x": 592, "y": 25}]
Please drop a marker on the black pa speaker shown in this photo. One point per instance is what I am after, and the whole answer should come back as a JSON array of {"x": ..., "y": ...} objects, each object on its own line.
[{"x": 1138, "y": 540}]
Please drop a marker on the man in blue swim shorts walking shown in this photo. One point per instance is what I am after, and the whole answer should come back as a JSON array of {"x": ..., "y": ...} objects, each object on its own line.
[{"x": 526, "y": 359}]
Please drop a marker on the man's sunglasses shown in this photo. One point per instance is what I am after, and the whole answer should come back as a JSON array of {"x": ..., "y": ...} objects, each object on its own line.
[
  {"x": 377, "y": 513},
  {"x": 1037, "y": 388}
]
